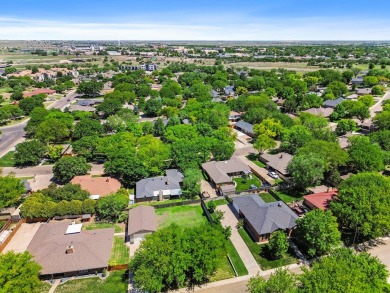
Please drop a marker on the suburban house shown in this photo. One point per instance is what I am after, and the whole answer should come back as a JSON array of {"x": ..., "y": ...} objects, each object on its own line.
[
  {"x": 261, "y": 219},
  {"x": 357, "y": 80},
  {"x": 245, "y": 127},
  {"x": 161, "y": 187},
  {"x": 278, "y": 163},
  {"x": 324, "y": 112},
  {"x": 319, "y": 200},
  {"x": 39, "y": 91},
  {"x": 222, "y": 172},
  {"x": 62, "y": 249},
  {"x": 97, "y": 186},
  {"x": 141, "y": 222},
  {"x": 234, "y": 116},
  {"x": 363, "y": 91},
  {"x": 229, "y": 90},
  {"x": 333, "y": 103}
]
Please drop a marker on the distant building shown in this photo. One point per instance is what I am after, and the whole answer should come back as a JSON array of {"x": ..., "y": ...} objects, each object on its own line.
[
  {"x": 146, "y": 67},
  {"x": 333, "y": 103},
  {"x": 357, "y": 80},
  {"x": 39, "y": 91}
]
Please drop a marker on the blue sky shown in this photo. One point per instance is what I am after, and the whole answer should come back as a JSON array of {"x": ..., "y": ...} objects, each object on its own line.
[{"x": 196, "y": 20}]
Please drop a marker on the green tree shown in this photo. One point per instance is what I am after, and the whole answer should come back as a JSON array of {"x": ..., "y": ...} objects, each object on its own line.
[
  {"x": 110, "y": 106},
  {"x": 11, "y": 190},
  {"x": 191, "y": 183},
  {"x": 264, "y": 142},
  {"x": 344, "y": 126},
  {"x": 306, "y": 170},
  {"x": 29, "y": 153},
  {"x": 367, "y": 100},
  {"x": 52, "y": 130},
  {"x": 87, "y": 127},
  {"x": 295, "y": 137},
  {"x": 278, "y": 245},
  {"x": 28, "y": 104},
  {"x": 90, "y": 88},
  {"x": 159, "y": 127},
  {"x": 86, "y": 147},
  {"x": 67, "y": 192},
  {"x": 319, "y": 230},
  {"x": 370, "y": 81},
  {"x": 345, "y": 271},
  {"x": 363, "y": 204},
  {"x": 19, "y": 273},
  {"x": 191, "y": 256},
  {"x": 382, "y": 120},
  {"x": 282, "y": 281},
  {"x": 365, "y": 156},
  {"x": 68, "y": 167},
  {"x": 54, "y": 151},
  {"x": 111, "y": 207},
  {"x": 378, "y": 90},
  {"x": 153, "y": 106}
]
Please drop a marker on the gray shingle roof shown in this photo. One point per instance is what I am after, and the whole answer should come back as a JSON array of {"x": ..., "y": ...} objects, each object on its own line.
[
  {"x": 265, "y": 217},
  {"x": 278, "y": 162},
  {"x": 245, "y": 126},
  {"x": 92, "y": 249},
  {"x": 146, "y": 187},
  {"x": 142, "y": 218},
  {"x": 333, "y": 103},
  {"x": 219, "y": 170}
]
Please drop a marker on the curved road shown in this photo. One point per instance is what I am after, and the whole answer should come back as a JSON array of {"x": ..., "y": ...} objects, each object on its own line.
[{"x": 12, "y": 135}]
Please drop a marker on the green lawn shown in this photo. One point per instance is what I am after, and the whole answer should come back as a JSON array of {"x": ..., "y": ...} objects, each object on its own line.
[
  {"x": 94, "y": 226},
  {"x": 119, "y": 252},
  {"x": 267, "y": 197},
  {"x": 45, "y": 287},
  {"x": 116, "y": 282},
  {"x": 225, "y": 271},
  {"x": 187, "y": 216},
  {"x": 245, "y": 183},
  {"x": 221, "y": 202},
  {"x": 254, "y": 159},
  {"x": 8, "y": 160},
  {"x": 289, "y": 197},
  {"x": 236, "y": 259},
  {"x": 256, "y": 250},
  {"x": 5, "y": 90}
]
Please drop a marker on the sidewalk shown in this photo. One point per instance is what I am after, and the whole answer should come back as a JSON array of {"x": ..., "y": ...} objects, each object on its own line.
[{"x": 231, "y": 220}]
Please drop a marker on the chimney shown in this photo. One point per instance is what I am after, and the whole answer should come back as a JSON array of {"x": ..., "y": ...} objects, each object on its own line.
[
  {"x": 69, "y": 249},
  {"x": 167, "y": 181},
  {"x": 279, "y": 204},
  {"x": 107, "y": 180},
  {"x": 281, "y": 156},
  {"x": 327, "y": 190}
]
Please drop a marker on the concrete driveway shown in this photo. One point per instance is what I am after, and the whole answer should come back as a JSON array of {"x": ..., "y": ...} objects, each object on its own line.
[
  {"x": 22, "y": 237},
  {"x": 230, "y": 220},
  {"x": 206, "y": 187},
  {"x": 382, "y": 252}
]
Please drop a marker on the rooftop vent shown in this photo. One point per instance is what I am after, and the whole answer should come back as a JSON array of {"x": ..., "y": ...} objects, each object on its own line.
[{"x": 70, "y": 249}]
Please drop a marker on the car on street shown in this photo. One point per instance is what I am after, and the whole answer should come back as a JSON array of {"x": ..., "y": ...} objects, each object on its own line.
[{"x": 273, "y": 174}]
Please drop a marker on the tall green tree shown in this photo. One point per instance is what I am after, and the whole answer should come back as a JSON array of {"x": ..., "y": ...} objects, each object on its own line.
[
  {"x": 90, "y": 88},
  {"x": 306, "y": 170},
  {"x": 11, "y": 190},
  {"x": 319, "y": 231},
  {"x": 363, "y": 204},
  {"x": 365, "y": 156},
  {"x": 282, "y": 281},
  {"x": 19, "y": 273},
  {"x": 29, "y": 153},
  {"x": 68, "y": 167},
  {"x": 87, "y": 127},
  {"x": 278, "y": 244},
  {"x": 111, "y": 207}
]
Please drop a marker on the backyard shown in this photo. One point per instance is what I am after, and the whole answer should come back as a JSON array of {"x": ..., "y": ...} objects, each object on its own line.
[
  {"x": 267, "y": 197},
  {"x": 256, "y": 250},
  {"x": 116, "y": 282},
  {"x": 92, "y": 226},
  {"x": 244, "y": 183},
  {"x": 119, "y": 252},
  {"x": 254, "y": 159},
  {"x": 186, "y": 216},
  {"x": 45, "y": 287},
  {"x": 289, "y": 196},
  {"x": 8, "y": 160}
]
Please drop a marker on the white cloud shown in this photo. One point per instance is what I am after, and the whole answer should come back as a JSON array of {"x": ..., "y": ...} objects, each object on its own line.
[{"x": 230, "y": 28}]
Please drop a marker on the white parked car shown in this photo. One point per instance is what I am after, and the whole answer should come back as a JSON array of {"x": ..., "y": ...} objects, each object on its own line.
[{"x": 273, "y": 174}]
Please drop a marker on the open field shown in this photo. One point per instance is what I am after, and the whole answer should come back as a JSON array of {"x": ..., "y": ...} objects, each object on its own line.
[
  {"x": 116, "y": 282},
  {"x": 186, "y": 216}
]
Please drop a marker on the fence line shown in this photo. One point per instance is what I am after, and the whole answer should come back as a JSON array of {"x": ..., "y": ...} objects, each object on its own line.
[
  {"x": 16, "y": 228},
  {"x": 117, "y": 267},
  {"x": 6, "y": 225},
  {"x": 207, "y": 213}
]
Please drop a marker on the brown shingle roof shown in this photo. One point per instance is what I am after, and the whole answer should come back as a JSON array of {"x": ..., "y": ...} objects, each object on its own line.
[
  {"x": 278, "y": 162},
  {"x": 218, "y": 171},
  {"x": 97, "y": 185},
  {"x": 142, "y": 218},
  {"x": 92, "y": 249}
]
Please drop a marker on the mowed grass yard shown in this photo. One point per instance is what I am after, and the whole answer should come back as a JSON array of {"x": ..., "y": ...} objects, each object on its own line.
[
  {"x": 256, "y": 250},
  {"x": 186, "y": 216},
  {"x": 119, "y": 252},
  {"x": 8, "y": 160},
  {"x": 116, "y": 282},
  {"x": 45, "y": 287},
  {"x": 93, "y": 226},
  {"x": 245, "y": 183}
]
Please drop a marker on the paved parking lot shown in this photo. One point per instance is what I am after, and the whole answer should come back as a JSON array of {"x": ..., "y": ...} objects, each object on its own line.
[{"x": 22, "y": 238}]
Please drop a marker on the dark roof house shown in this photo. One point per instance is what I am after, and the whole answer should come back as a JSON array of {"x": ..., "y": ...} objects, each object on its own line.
[
  {"x": 277, "y": 162},
  {"x": 332, "y": 103},
  {"x": 220, "y": 172},
  {"x": 62, "y": 250},
  {"x": 161, "y": 187},
  {"x": 262, "y": 218},
  {"x": 245, "y": 127}
]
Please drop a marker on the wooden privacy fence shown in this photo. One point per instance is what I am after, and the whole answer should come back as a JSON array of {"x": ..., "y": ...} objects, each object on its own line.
[
  {"x": 117, "y": 267},
  {"x": 14, "y": 230}
]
